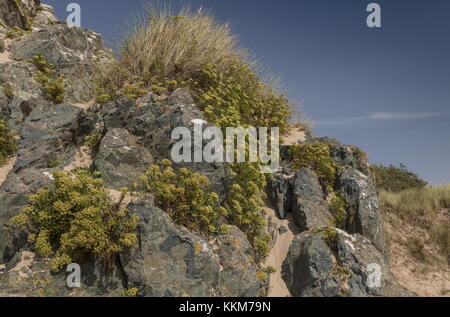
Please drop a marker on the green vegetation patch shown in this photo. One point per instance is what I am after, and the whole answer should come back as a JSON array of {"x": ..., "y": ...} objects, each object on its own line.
[
  {"x": 182, "y": 194},
  {"x": 395, "y": 179},
  {"x": 8, "y": 144},
  {"x": 76, "y": 219},
  {"x": 316, "y": 156},
  {"x": 53, "y": 85}
]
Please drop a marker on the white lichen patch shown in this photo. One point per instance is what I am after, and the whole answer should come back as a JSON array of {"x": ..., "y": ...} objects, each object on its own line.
[
  {"x": 49, "y": 175},
  {"x": 198, "y": 121}
]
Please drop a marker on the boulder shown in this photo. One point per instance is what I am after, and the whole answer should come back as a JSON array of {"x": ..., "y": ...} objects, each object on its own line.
[
  {"x": 14, "y": 195},
  {"x": 280, "y": 193},
  {"x": 237, "y": 259},
  {"x": 361, "y": 197},
  {"x": 46, "y": 137},
  {"x": 28, "y": 275},
  {"x": 171, "y": 261},
  {"x": 121, "y": 160},
  {"x": 152, "y": 119},
  {"x": 18, "y": 12},
  {"x": 73, "y": 52},
  {"x": 328, "y": 262},
  {"x": 346, "y": 155},
  {"x": 27, "y": 94},
  {"x": 308, "y": 205}
]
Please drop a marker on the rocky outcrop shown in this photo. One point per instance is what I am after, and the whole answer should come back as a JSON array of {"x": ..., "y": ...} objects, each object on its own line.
[
  {"x": 348, "y": 156},
  {"x": 280, "y": 193},
  {"x": 18, "y": 13},
  {"x": 331, "y": 263},
  {"x": 308, "y": 204},
  {"x": 74, "y": 52},
  {"x": 361, "y": 197},
  {"x": 171, "y": 261},
  {"x": 120, "y": 160},
  {"x": 151, "y": 119},
  {"x": 27, "y": 275}
]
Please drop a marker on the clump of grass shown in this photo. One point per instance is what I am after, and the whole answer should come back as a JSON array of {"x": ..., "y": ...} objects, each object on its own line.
[
  {"x": 76, "y": 219},
  {"x": 415, "y": 203},
  {"x": 8, "y": 145},
  {"x": 166, "y": 45},
  {"x": 426, "y": 208}
]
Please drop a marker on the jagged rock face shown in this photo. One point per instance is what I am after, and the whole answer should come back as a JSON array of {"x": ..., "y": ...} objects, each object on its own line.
[
  {"x": 121, "y": 160},
  {"x": 27, "y": 94},
  {"x": 280, "y": 193},
  {"x": 345, "y": 265},
  {"x": 26, "y": 275},
  {"x": 345, "y": 155},
  {"x": 74, "y": 52},
  {"x": 15, "y": 13},
  {"x": 308, "y": 205},
  {"x": 151, "y": 119},
  {"x": 361, "y": 197},
  {"x": 14, "y": 195},
  {"x": 46, "y": 137},
  {"x": 171, "y": 261}
]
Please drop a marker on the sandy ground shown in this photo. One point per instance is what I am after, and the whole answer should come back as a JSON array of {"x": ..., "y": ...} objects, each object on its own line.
[
  {"x": 277, "y": 287},
  {"x": 6, "y": 169},
  {"x": 85, "y": 106},
  {"x": 429, "y": 278},
  {"x": 83, "y": 158},
  {"x": 295, "y": 136},
  {"x": 26, "y": 260},
  {"x": 4, "y": 57}
]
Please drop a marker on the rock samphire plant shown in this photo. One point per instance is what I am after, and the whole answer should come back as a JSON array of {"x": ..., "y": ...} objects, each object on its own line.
[{"x": 75, "y": 220}]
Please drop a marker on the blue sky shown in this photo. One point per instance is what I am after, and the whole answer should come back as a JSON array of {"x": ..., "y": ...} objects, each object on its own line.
[{"x": 386, "y": 90}]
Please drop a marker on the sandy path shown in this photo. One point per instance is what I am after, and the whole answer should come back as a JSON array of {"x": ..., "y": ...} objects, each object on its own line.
[
  {"x": 86, "y": 105},
  {"x": 6, "y": 169},
  {"x": 277, "y": 287},
  {"x": 4, "y": 57},
  {"x": 294, "y": 136}
]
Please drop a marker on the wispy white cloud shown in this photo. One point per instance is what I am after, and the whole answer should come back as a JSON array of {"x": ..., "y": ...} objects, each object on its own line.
[{"x": 383, "y": 116}]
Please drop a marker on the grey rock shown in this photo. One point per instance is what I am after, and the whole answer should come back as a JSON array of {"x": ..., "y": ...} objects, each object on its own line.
[
  {"x": 361, "y": 197},
  {"x": 18, "y": 12},
  {"x": 46, "y": 136},
  {"x": 308, "y": 205},
  {"x": 28, "y": 275},
  {"x": 152, "y": 121},
  {"x": 282, "y": 229},
  {"x": 345, "y": 155},
  {"x": 342, "y": 265},
  {"x": 121, "y": 160},
  {"x": 171, "y": 261},
  {"x": 238, "y": 277},
  {"x": 14, "y": 195},
  {"x": 280, "y": 193},
  {"x": 27, "y": 94},
  {"x": 73, "y": 52}
]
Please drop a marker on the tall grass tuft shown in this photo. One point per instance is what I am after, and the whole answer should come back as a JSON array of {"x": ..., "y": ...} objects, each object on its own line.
[{"x": 427, "y": 208}]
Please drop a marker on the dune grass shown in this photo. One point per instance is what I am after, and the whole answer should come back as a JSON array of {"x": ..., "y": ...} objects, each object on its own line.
[{"x": 427, "y": 208}]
